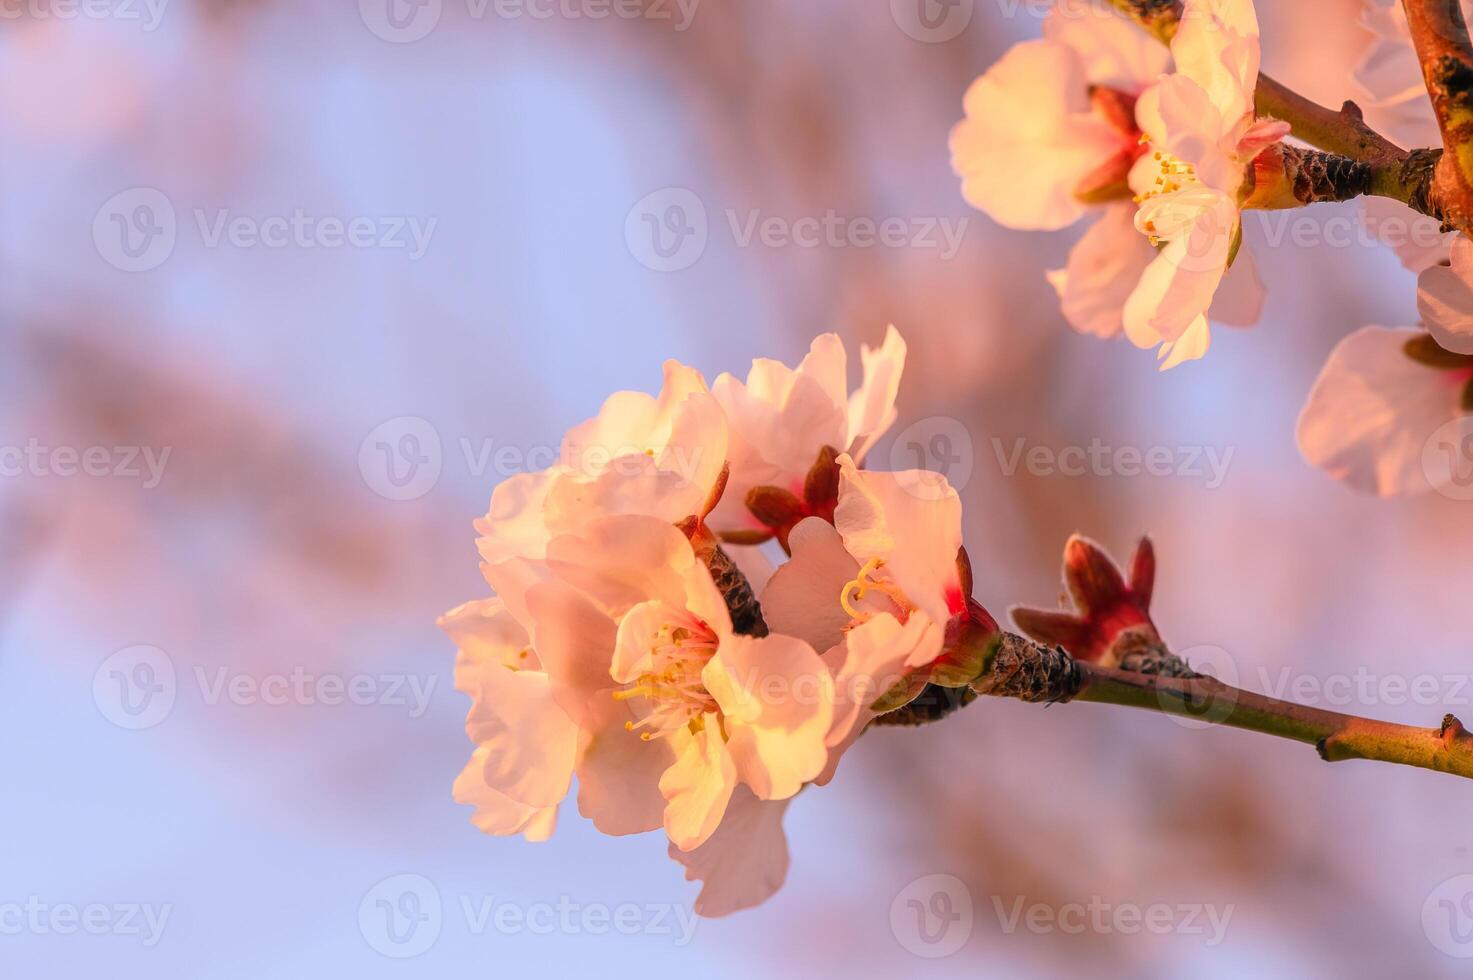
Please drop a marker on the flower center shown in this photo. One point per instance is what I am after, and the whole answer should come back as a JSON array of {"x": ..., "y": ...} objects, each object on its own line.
[
  {"x": 865, "y": 583},
  {"x": 672, "y": 691},
  {"x": 1161, "y": 215}
]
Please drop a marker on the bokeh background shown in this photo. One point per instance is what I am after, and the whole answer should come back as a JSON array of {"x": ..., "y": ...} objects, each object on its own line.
[{"x": 274, "y": 541}]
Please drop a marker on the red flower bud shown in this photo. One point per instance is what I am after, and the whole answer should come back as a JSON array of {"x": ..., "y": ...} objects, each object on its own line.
[{"x": 1106, "y": 606}]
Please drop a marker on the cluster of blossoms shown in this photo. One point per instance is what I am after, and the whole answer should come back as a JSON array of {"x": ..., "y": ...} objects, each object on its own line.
[
  {"x": 1164, "y": 146},
  {"x": 625, "y": 644}
]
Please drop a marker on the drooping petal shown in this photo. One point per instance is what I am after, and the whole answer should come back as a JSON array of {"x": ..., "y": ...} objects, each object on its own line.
[
  {"x": 698, "y": 786},
  {"x": 1104, "y": 267},
  {"x": 1029, "y": 138},
  {"x": 744, "y": 861},
  {"x": 496, "y": 813},
  {"x": 531, "y": 742},
  {"x": 1178, "y": 286},
  {"x": 1239, "y": 298},
  {"x": 1372, "y": 410},
  {"x": 1445, "y": 299},
  {"x": 777, "y": 699}
]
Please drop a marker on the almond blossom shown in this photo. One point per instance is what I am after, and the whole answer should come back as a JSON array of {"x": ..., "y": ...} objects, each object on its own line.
[
  {"x": 1199, "y": 123},
  {"x": 1380, "y": 398},
  {"x": 787, "y": 425}
]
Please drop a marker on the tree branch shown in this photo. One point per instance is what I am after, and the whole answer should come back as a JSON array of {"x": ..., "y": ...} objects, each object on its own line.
[
  {"x": 1033, "y": 672},
  {"x": 1446, "y": 54}
]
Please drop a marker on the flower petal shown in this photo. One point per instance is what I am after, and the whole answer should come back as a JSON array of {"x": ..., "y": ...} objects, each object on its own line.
[
  {"x": 1104, "y": 267},
  {"x": 1445, "y": 299},
  {"x": 496, "y": 813},
  {"x": 872, "y": 407},
  {"x": 746, "y": 859},
  {"x": 802, "y": 599},
  {"x": 531, "y": 741},
  {"x": 698, "y": 786}
]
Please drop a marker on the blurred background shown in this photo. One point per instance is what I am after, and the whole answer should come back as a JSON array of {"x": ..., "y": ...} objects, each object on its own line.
[{"x": 287, "y": 287}]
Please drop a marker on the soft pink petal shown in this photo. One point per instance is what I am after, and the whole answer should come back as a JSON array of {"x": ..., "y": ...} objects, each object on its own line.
[
  {"x": 872, "y": 407},
  {"x": 531, "y": 742},
  {"x": 697, "y": 787},
  {"x": 1239, "y": 298},
  {"x": 1114, "y": 50},
  {"x": 497, "y": 813},
  {"x": 485, "y": 631},
  {"x": 1445, "y": 299},
  {"x": 802, "y": 599},
  {"x": 619, "y": 772},
  {"x": 1372, "y": 411},
  {"x": 1104, "y": 266},
  {"x": 744, "y": 862},
  {"x": 575, "y": 640}
]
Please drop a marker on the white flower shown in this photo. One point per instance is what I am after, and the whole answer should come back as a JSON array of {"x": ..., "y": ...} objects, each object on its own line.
[{"x": 1202, "y": 133}]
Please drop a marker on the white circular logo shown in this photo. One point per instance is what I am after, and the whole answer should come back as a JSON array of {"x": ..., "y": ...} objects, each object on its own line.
[
  {"x": 401, "y": 459},
  {"x": 932, "y": 21},
  {"x": 1214, "y": 662},
  {"x": 1447, "y": 917},
  {"x": 932, "y": 455},
  {"x": 135, "y": 688},
  {"x": 135, "y": 230},
  {"x": 1447, "y": 458},
  {"x": 400, "y": 917},
  {"x": 400, "y": 21},
  {"x": 667, "y": 230},
  {"x": 932, "y": 916}
]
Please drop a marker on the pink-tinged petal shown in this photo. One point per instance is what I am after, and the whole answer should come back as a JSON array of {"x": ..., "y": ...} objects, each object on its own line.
[
  {"x": 752, "y": 563},
  {"x": 1104, "y": 266},
  {"x": 744, "y": 862},
  {"x": 872, "y": 407},
  {"x": 1178, "y": 286},
  {"x": 827, "y": 363},
  {"x": 1190, "y": 346},
  {"x": 1030, "y": 138},
  {"x": 1179, "y": 118},
  {"x": 485, "y": 631},
  {"x": 1115, "y": 51},
  {"x": 1258, "y": 137},
  {"x": 1239, "y": 298},
  {"x": 1417, "y": 239},
  {"x": 912, "y": 521},
  {"x": 1389, "y": 72},
  {"x": 620, "y": 562},
  {"x": 619, "y": 773},
  {"x": 575, "y": 640},
  {"x": 531, "y": 742},
  {"x": 802, "y": 599},
  {"x": 496, "y": 813},
  {"x": 1445, "y": 299},
  {"x": 514, "y": 527},
  {"x": 874, "y": 658},
  {"x": 697, "y": 787},
  {"x": 1216, "y": 46},
  {"x": 512, "y": 579},
  {"x": 777, "y": 700},
  {"x": 1372, "y": 410}
]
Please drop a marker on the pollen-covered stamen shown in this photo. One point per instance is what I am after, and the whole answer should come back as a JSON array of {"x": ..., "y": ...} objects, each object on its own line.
[
  {"x": 672, "y": 689},
  {"x": 863, "y": 584}
]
